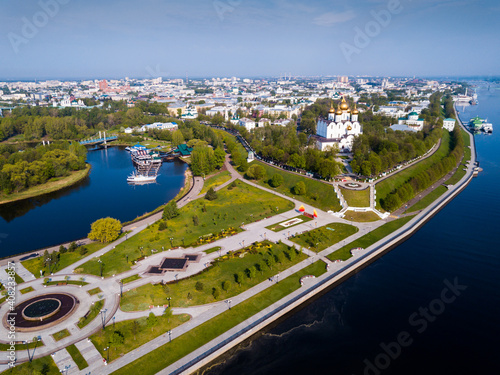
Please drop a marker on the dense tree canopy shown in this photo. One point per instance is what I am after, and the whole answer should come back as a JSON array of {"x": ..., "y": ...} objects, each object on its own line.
[{"x": 105, "y": 230}]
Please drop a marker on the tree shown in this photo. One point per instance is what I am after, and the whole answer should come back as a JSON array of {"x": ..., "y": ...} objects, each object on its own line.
[
  {"x": 62, "y": 249},
  {"x": 72, "y": 247},
  {"x": 215, "y": 292},
  {"x": 239, "y": 277},
  {"x": 152, "y": 320},
  {"x": 170, "y": 211},
  {"x": 226, "y": 285},
  {"x": 199, "y": 286},
  {"x": 211, "y": 194},
  {"x": 300, "y": 188},
  {"x": 276, "y": 180},
  {"x": 196, "y": 221},
  {"x": 105, "y": 230},
  {"x": 256, "y": 172},
  {"x": 177, "y": 138},
  {"x": 251, "y": 272},
  {"x": 117, "y": 338},
  {"x": 135, "y": 328},
  {"x": 270, "y": 261}
]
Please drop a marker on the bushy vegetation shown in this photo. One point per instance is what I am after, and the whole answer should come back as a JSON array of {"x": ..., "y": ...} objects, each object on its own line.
[
  {"x": 105, "y": 230},
  {"x": 426, "y": 178},
  {"x": 33, "y": 166}
]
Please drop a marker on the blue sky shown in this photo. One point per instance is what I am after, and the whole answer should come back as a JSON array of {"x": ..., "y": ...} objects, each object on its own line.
[{"x": 114, "y": 39}]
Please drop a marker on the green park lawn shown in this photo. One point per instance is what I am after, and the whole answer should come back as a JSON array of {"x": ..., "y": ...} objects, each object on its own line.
[
  {"x": 215, "y": 181},
  {"x": 241, "y": 204},
  {"x": 61, "y": 334},
  {"x": 135, "y": 333},
  {"x": 369, "y": 239},
  {"x": 27, "y": 290},
  {"x": 277, "y": 227},
  {"x": 168, "y": 353},
  {"x": 320, "y": 238},
  {"x": 77, "y": 357},
  {"x": 44, "y": 365},
  {"x": 361, "y": 217},
  {"x": 386, "y": 186},
  {"x": 212, "y": 249},
  {"x": 94, "y": 291},
  {"x": 184, "y": 293},
  {"x": 34, "y": 265},
  {"x": 428, "y": 199},
  {"x": 356, "y": 198},
  {"x": 318, "y": 194},
  {"x": 130, "y": 279},
  {"x": 94, "y": 311},
  {"x": 31, "y": 345}
]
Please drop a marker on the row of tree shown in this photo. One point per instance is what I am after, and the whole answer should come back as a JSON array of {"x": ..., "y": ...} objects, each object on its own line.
[{"x": 426, "y": 178}]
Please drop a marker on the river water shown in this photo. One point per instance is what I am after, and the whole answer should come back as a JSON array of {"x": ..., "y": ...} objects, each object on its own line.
[
  {"x": 352, "y": 329},
  {"x": 66, "y": 215}
]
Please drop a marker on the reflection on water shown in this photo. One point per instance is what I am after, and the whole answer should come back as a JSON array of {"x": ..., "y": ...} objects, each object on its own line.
[
  {"x": 66, "y": 215},
  {"x": 12, "y": 210}
]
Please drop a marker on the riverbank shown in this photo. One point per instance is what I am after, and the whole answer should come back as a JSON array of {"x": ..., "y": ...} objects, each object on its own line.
[
  {"x": 48, "y": 187},
  {"x": 204, "y": 356}
]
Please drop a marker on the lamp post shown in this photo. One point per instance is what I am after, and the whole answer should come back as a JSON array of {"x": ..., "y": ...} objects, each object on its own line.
[
  {"x": 168, "y": 299},
  {"x": 170, "y": 335},
  {"x": 103, "y": 318},
  {"x": 121, "y": 288},
  {"x": 106, "y": 349},
  {"x": 65, "y": 370},
  {"x": 114, "y": 322},
  {"x": 277, "y": 278},
  {"x": 183, "y": 245},
  {"x": 228, "y": 301},
  {"x": 171, "y": 242},
  {"x": 48, "y": 261}
]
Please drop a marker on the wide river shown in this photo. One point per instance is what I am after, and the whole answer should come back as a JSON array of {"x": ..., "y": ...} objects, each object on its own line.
[
  {"x": 346, "y": 330},
  {"x": 66, "y": 215}
]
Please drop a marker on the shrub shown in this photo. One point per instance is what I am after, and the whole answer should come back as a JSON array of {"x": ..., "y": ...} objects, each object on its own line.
[
  {"x": 62, "y": 249},
  {"x": 163, "y": 225},
  {"x": 199, "y": 286},
  {"x": 105, "y": 230},
  {"x": 215, "y": 293},
  {"x": 211, "y": 194},
  {"x": 299, "y": 188},
  {"x": 276, "y": 180}
]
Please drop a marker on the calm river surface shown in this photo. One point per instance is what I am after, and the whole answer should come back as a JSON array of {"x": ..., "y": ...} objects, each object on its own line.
[
  {"x": 344, "y": 331},
  {"x": 66, "y": 215}
]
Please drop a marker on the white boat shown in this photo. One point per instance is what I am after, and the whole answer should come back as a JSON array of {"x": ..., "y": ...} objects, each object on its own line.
[{"x": 140, "y": 178}]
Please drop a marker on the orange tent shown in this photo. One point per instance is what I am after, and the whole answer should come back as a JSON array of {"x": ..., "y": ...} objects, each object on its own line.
[
  {"x": 302, "y": 209},
  {"x": 315, "y": 214}
]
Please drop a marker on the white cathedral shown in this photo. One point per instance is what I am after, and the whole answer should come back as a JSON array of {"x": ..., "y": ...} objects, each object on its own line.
[{"x": 339, "y": 129}]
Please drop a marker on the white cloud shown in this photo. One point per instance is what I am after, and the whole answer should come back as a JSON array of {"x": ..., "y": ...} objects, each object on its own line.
[{"x": 331, "y": 18}]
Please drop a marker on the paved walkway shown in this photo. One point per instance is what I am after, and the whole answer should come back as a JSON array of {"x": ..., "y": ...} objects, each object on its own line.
[{"x": 64, "y": 360}]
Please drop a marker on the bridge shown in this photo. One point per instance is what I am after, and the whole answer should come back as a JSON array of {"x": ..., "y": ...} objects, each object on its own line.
[{"x": 99, "y": 139}]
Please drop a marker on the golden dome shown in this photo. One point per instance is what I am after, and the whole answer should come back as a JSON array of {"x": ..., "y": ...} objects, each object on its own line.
[
  {"x": 349, "y": 127},
  {"x": 355, "y": 110},
  {"x": 343, "y": 105},
  {"x": 339, "y": 111},
  {"x": 332, "y": 110}
]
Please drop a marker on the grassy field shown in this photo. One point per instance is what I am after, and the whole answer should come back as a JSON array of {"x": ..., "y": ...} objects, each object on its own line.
[
  {"x": 31, "y": 345},
  {"x": 18, "y": 279},
  {"x": 356, "y": 198},
  {"x": 244, "y": 203},
  {"x": 94, "y": 291},
  {"x": 53, "y": 184},
  {"x": 34, "y": 265},
  {"x": 27, "y": 290},
  {"x": 278, "y": 228},
  {"x": 384, "y": 187},
  {"x": 130, "y": 279},
  {"x": 77, "y": 357},
  {"x": 94, "y": 311},
  {"x": 135, "y": 332},
  {"x": 61, "y": 334},
  {"x": 321, "y": 238},
  {"x": 185, "y": 293},
  {"x": 215, "y": 181},
  {"x": 318, "y": 194},
  {"x": 428, "y": 199},
  {"x": 212, "y": 249},
  {"x": 167, "y": 354},
  {"x": 369, "y": 238},
  {"x": 361, "y": 217},
  {"x": 44, "y": 365}
]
